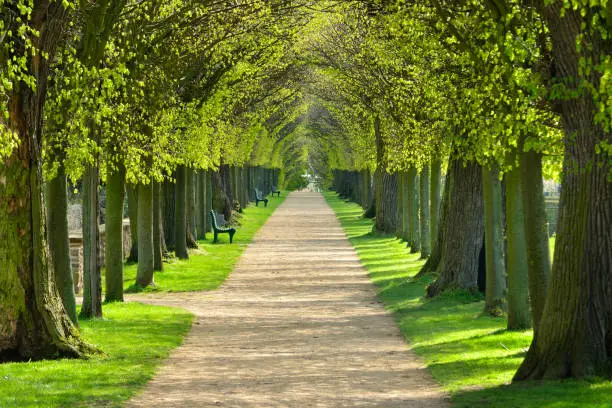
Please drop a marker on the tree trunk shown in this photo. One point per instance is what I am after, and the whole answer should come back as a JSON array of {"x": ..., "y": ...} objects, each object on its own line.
[
  {"x": 132, "y": 196},
  {"x": 575, "y": 334},
  {"x": 191, "y": 209},
  {"x": 425, "y": 216},
  {"x": 401, "y": 206},
  {"x": 438, "y": 239},
  {"x": 386, "y": 209},
  {"x": 144, "y": 274},
  {"x": 414, "y": 241},
  {"x": 34, "y": 323},
  {"x": 180, "y": 213},
  {"x": 115, "y": 194},
  {"x": 92, "y": 279},
  {"x": 386, "y": 187},
  {"x": 158, "y": 228},
  {"x": 209, "y": 199},
  {"x": 461, "y": 230},
  {"x": 536, "y": 233},
  {"x": 519, "y": 315},
  {"x": 224, "y": 172},
  {"x": 201, "y": 204},
  {"x": 168, "y": 204},
  {"x": 495, "y": 300},
  {"x": 434, "y": 197},
  {"x": 59, "y": 241},
  {"x": 221, "y": 203}
]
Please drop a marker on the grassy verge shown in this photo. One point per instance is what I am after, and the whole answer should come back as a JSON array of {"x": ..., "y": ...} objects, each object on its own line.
[
  {"x": 472, "y": 356},
  {"x": 210, "y": 264},
  {"x": 135, "y": 337}
]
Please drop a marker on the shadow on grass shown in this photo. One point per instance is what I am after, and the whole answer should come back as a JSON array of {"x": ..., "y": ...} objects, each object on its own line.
[
  {"x": 472, "y": 355},
  {"x": 209, "y": 265},
  {"x": 135, "y": 338}
]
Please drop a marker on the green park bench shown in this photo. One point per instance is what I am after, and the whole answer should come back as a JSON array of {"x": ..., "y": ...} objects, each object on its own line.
[
  {"x": 218, "y": 226},
  {"x": 276, "y": 191},
  {"x": 259, "y": 197}
]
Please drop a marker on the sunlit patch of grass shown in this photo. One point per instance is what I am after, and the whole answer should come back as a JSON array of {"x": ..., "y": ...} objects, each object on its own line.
[
  {"x": 210, "y": 264},
  {"x": 471, "y": 355},
  {"x": 135, "y": 339}
]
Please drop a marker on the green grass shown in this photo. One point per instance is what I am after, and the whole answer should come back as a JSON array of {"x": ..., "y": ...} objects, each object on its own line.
[
  {"x": 208, "y": 266},
  {"x": 471, "y": 355},
  {"x": 135, "y": 339}
]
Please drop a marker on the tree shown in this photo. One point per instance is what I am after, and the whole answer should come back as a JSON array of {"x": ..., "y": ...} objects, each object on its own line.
[{"x": 35, "y": 323}]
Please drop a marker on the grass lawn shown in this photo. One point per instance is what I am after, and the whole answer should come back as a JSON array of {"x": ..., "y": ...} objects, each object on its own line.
[
  {"x": 472, "y": 356},
  {"x": 135, "y": 339},
  {"x": 208, "y": 266}
]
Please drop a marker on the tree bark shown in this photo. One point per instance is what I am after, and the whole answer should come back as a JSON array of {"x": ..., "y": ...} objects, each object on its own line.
[
  {"x": 92, "y": 278},
  {"x": 438, "y": 239},
  {"x": 495, "y": 292},
  {"x": 201, "y": 204},
  {"x": 536, "y": 233},
  {"x": 132, "y": 197},
  {"x": 519, "y": 314},
  {"x": 59, "y": 241},
  {"x": 425, "y": 216},
  {"x": 405, "y": 191},
  {"x": 191, "y": 208},
  {"x": 221, "y": 203},
  {"x": 144, "y": 274},
  {"x": 34, "y": 323},
  {"x": 180, "y": 213},
  {"x": 209, "y": 199},
  {"x": 413, "y": 210},
  {"x": 158, "y": 228},
  {"x": 435, "y": 197},
  {"x": 169, "y": 223},
  {"x": 575, "y": 332},
  {"x": 461, "y": 230},
  {"x": 115, "y": 194}
]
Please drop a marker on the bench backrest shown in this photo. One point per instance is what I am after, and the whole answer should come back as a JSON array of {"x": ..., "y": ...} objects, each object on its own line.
[
  {"x": 258, "y": 194},
  {"x": 218, "y": 220}
]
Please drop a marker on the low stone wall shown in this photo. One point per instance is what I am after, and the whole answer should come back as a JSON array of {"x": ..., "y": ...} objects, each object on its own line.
[{"x": 76, "y": 251}]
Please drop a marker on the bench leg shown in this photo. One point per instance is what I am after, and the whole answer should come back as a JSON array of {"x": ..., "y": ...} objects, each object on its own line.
[
  {"x": 215, "y": 240},
  {"x": 231, "y": 234},
  {"x": 256, "y": 203},
  {"x": 266, "y": 202}
]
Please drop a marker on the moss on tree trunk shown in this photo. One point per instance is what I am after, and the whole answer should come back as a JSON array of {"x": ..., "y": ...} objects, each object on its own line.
[
  {"x": 144, "y": 274},
  {"x": 536, "y": 233},
  {"x": 115, "y": 194},
  {"x": 33, "y": 322},
  {"x": 519, "y": 314},
  {"x": 574, "y": 338},
  {"x": 495, "y": 292},
  {"x": 414, "y": 241},
  {"x": 59, "y": 241},
  {"x": 435, "y": 197},
  {"x": 425, "y": 216}
]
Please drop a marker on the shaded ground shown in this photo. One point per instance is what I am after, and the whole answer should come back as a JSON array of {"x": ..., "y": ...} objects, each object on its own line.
[{"x": 297, "y": 324}]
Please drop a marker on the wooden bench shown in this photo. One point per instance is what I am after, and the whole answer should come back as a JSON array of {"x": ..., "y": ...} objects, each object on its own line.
[
  {"x": 275, "y": 191},
  {"x": 259, "y": 197},
  {"x": 220, "y": 229}
]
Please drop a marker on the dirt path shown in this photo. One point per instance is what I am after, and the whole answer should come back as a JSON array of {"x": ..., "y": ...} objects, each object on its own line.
[{"x": 297, "y": 324}]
